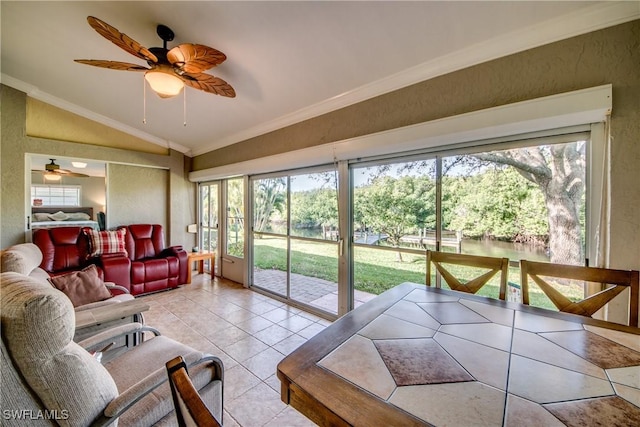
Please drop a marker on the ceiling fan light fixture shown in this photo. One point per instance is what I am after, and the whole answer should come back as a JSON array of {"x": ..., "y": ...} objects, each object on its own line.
[
  {"x": 52, "y": 177},
  {"x": 164, "y": 82}
]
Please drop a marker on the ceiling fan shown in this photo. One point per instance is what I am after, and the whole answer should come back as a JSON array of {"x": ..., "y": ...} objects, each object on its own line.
[
  {"x": 169, "y": 70},
  {"x": 53, "y": 170}
]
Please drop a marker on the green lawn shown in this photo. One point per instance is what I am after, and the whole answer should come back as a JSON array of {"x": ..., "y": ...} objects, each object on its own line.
[{"x": 375, "y": 270}]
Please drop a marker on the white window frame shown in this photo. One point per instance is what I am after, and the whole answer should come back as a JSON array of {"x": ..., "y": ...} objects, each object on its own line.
[{"x": 43, "y": 191}]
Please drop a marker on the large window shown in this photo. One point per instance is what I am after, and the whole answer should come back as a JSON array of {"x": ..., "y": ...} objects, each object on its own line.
[
  {"x": 519, "y": 199},
  {"x": 55, "y": 195}
]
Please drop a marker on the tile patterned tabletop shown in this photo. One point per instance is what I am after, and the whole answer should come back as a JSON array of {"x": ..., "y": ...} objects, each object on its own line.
[{"x": 426, "y": 356}]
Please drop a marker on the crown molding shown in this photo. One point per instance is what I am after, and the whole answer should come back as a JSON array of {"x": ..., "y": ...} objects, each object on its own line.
[
  {"x": 589, "y": 19},
  {"x": 35, "y": 93}
]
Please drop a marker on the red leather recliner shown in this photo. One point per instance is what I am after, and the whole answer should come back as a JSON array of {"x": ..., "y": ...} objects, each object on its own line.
[
  {"x": 153, "y": 267},
  {"x": 66, "y": 249}
]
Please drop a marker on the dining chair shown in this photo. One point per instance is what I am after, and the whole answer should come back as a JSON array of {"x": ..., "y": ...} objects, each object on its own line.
[
  {"x": 189, "y": 408},
  {"x": 494, "y": 266},
  {"x": 620, "y": 279}
]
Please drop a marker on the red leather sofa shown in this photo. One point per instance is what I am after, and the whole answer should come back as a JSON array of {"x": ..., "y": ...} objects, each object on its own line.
[
  {"x": 147, "y": 267},
  {"x": 66, "y": 249},
  {"x": 153, "y": 267}
]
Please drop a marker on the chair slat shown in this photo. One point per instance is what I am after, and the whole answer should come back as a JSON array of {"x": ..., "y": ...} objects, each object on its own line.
[{"x": 620, "y": 279}]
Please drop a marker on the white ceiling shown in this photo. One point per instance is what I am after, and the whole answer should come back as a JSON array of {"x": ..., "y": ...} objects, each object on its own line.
[{"x": 288, "y": 61}]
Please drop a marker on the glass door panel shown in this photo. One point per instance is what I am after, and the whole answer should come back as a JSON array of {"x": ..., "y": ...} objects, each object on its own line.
[
  {"x": 295, "y": 238},
  {"x": 208, "y": 232},
  {"x": 270, "y": 263},
  {"x": 394, "y": 222},
  {"x": 232, "y": 262},
  {"x": 520, "y": 203}
]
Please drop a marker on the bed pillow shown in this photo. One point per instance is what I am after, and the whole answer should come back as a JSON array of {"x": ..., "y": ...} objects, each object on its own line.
[
  {"x": 59, "y": 216},
  {"x": 41, "y": 217},
  {"x": 78, "y": 216},
  {"x": 107, "y": 242},
  {"x": 82, "y": 287}
]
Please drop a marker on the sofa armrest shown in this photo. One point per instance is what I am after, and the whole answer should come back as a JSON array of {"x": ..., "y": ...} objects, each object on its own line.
[
  {"x": 99, "y": 340},
  {"x": 152, "y": 381},
  {"x": 119, "y": 289},
  {"x": 183, "y": 261},
  {"x": 117, "y": 269}
]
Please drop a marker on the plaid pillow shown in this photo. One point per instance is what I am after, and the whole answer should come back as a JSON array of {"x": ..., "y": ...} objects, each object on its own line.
[{"x": 107, "y": 242}]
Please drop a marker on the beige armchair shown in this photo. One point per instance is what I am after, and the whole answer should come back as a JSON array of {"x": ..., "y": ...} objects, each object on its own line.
[
  {"x": 25, "y": 258},
  {"x": 46, "y": 373}
]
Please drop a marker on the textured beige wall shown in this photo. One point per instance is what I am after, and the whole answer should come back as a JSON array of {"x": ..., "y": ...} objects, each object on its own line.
[
  {"x": 608, "y": 56},
  {"x": 143, "y": 191},
  {"x": 47, "y": 121},
  {"x": 15, "y": 143}
]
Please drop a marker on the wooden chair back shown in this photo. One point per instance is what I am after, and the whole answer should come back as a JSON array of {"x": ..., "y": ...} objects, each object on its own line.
[
  {"x": 189, "y": 407},
  {"x": 494, "y": 265},
  {"x": 620, "y": 279}
]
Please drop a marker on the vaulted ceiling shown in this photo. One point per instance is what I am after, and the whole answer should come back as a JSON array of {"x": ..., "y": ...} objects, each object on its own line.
[{"x": 288, "y": 61}]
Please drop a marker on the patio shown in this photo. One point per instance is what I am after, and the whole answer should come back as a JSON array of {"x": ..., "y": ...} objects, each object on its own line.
[{"x": 309, "y": 290}]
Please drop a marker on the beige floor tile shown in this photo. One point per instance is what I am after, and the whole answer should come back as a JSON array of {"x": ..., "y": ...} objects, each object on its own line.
[
  {"x": 254, "y": 325},
  {"x": 264, "y": 364},
  {"x": 311, "y": 330},
  {"x": 273, "y": 382},
  {"x": 228, "y": 336},
  {"x": 273, "y": 334},
  {"x": 256, "y": 407},
  {"x": 237, "y": 381},
  {"x": 276, "y": 314},
  {"x": 295, "y": 323},
  {"x": 289, "y": 344},
  {"x": 245, "y": 348},
  {"x": 290, "y": 418}
]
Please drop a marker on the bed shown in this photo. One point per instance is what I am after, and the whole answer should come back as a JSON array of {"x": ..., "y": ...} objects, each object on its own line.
[{"x": 65, "y": 216}]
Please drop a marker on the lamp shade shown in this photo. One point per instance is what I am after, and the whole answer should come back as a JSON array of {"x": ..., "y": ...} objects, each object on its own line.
[
  {"x": 164, "y": 82},
  {"x": 52, "y": 177}
]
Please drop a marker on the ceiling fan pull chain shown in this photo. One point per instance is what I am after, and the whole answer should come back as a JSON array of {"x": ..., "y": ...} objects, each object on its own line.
[
  {"x": 184, "y": 106},
  {"x": 144, "y": 101}
]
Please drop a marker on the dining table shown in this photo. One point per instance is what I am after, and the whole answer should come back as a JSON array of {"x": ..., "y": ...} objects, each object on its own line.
[{"x": 417, "y": 355}]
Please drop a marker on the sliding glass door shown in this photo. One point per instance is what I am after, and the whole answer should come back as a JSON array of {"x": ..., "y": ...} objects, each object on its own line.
[{"x": 295, "y": 238}]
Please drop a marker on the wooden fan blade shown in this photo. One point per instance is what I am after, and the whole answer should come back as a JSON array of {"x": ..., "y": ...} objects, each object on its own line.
[
  {"x": 121, "y": 40},
  {"x": 112, "y": 65},
  {"x": 195, "y": 58},
  {"x": 209, "y": 83}
]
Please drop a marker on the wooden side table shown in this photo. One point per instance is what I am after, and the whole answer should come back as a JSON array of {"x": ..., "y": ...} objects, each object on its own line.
[{"x": 201, "y": 257}]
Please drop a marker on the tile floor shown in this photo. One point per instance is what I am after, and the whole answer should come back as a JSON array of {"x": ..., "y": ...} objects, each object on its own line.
[{"x": 250, "y": 332}]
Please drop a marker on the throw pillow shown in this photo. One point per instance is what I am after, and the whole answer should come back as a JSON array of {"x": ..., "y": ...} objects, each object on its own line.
[
  {"x": 82, "y": 287},
  {"x": 107, "y": 242},
  {"x": 59, "y": 216}
]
